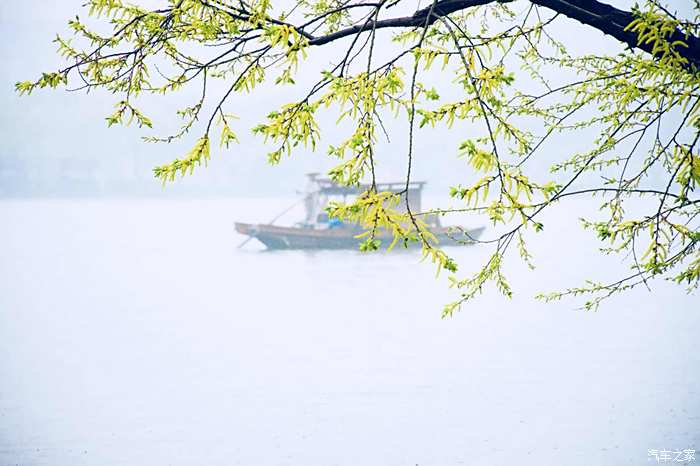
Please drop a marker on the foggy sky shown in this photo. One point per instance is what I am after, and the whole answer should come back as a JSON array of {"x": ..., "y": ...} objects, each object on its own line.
[{"x": 58, "y": 125}]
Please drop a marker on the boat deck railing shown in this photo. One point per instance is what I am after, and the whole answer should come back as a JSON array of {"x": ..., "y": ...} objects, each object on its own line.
[{"x": 328, "y": 186}]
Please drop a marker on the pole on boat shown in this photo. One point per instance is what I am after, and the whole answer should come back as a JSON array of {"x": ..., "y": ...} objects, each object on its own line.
[{"x": 276, "y": 217}]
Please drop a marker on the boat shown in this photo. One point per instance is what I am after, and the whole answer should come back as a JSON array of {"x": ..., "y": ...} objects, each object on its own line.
[{"x": 318, "y": 231}]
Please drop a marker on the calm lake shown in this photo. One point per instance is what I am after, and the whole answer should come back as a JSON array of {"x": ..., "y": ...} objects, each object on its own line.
[{"x": 137, "y": 333}]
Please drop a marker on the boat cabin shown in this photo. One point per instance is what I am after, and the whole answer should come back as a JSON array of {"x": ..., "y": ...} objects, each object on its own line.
[{"x": 320, "y": 191}]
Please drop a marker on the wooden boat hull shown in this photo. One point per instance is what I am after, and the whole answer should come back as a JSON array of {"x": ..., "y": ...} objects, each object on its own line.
[{"x": 277, "y": 237}]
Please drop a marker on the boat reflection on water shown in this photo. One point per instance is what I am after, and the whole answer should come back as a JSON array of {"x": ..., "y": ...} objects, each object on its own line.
[{"x": 318, "y": 231}]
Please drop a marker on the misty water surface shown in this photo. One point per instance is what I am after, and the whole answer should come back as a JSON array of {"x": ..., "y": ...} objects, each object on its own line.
[{"x": 136, "y": 333}]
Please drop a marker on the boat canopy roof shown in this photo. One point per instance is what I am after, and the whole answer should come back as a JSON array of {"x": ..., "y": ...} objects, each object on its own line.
[{"x": 328, "y": 186}]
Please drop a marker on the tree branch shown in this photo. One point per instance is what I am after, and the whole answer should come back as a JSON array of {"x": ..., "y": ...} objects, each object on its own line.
[
  {"x": 601, "y": 16},
  {"x": 419, "y": 18},
  {"x": 613, "y": 21}
]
